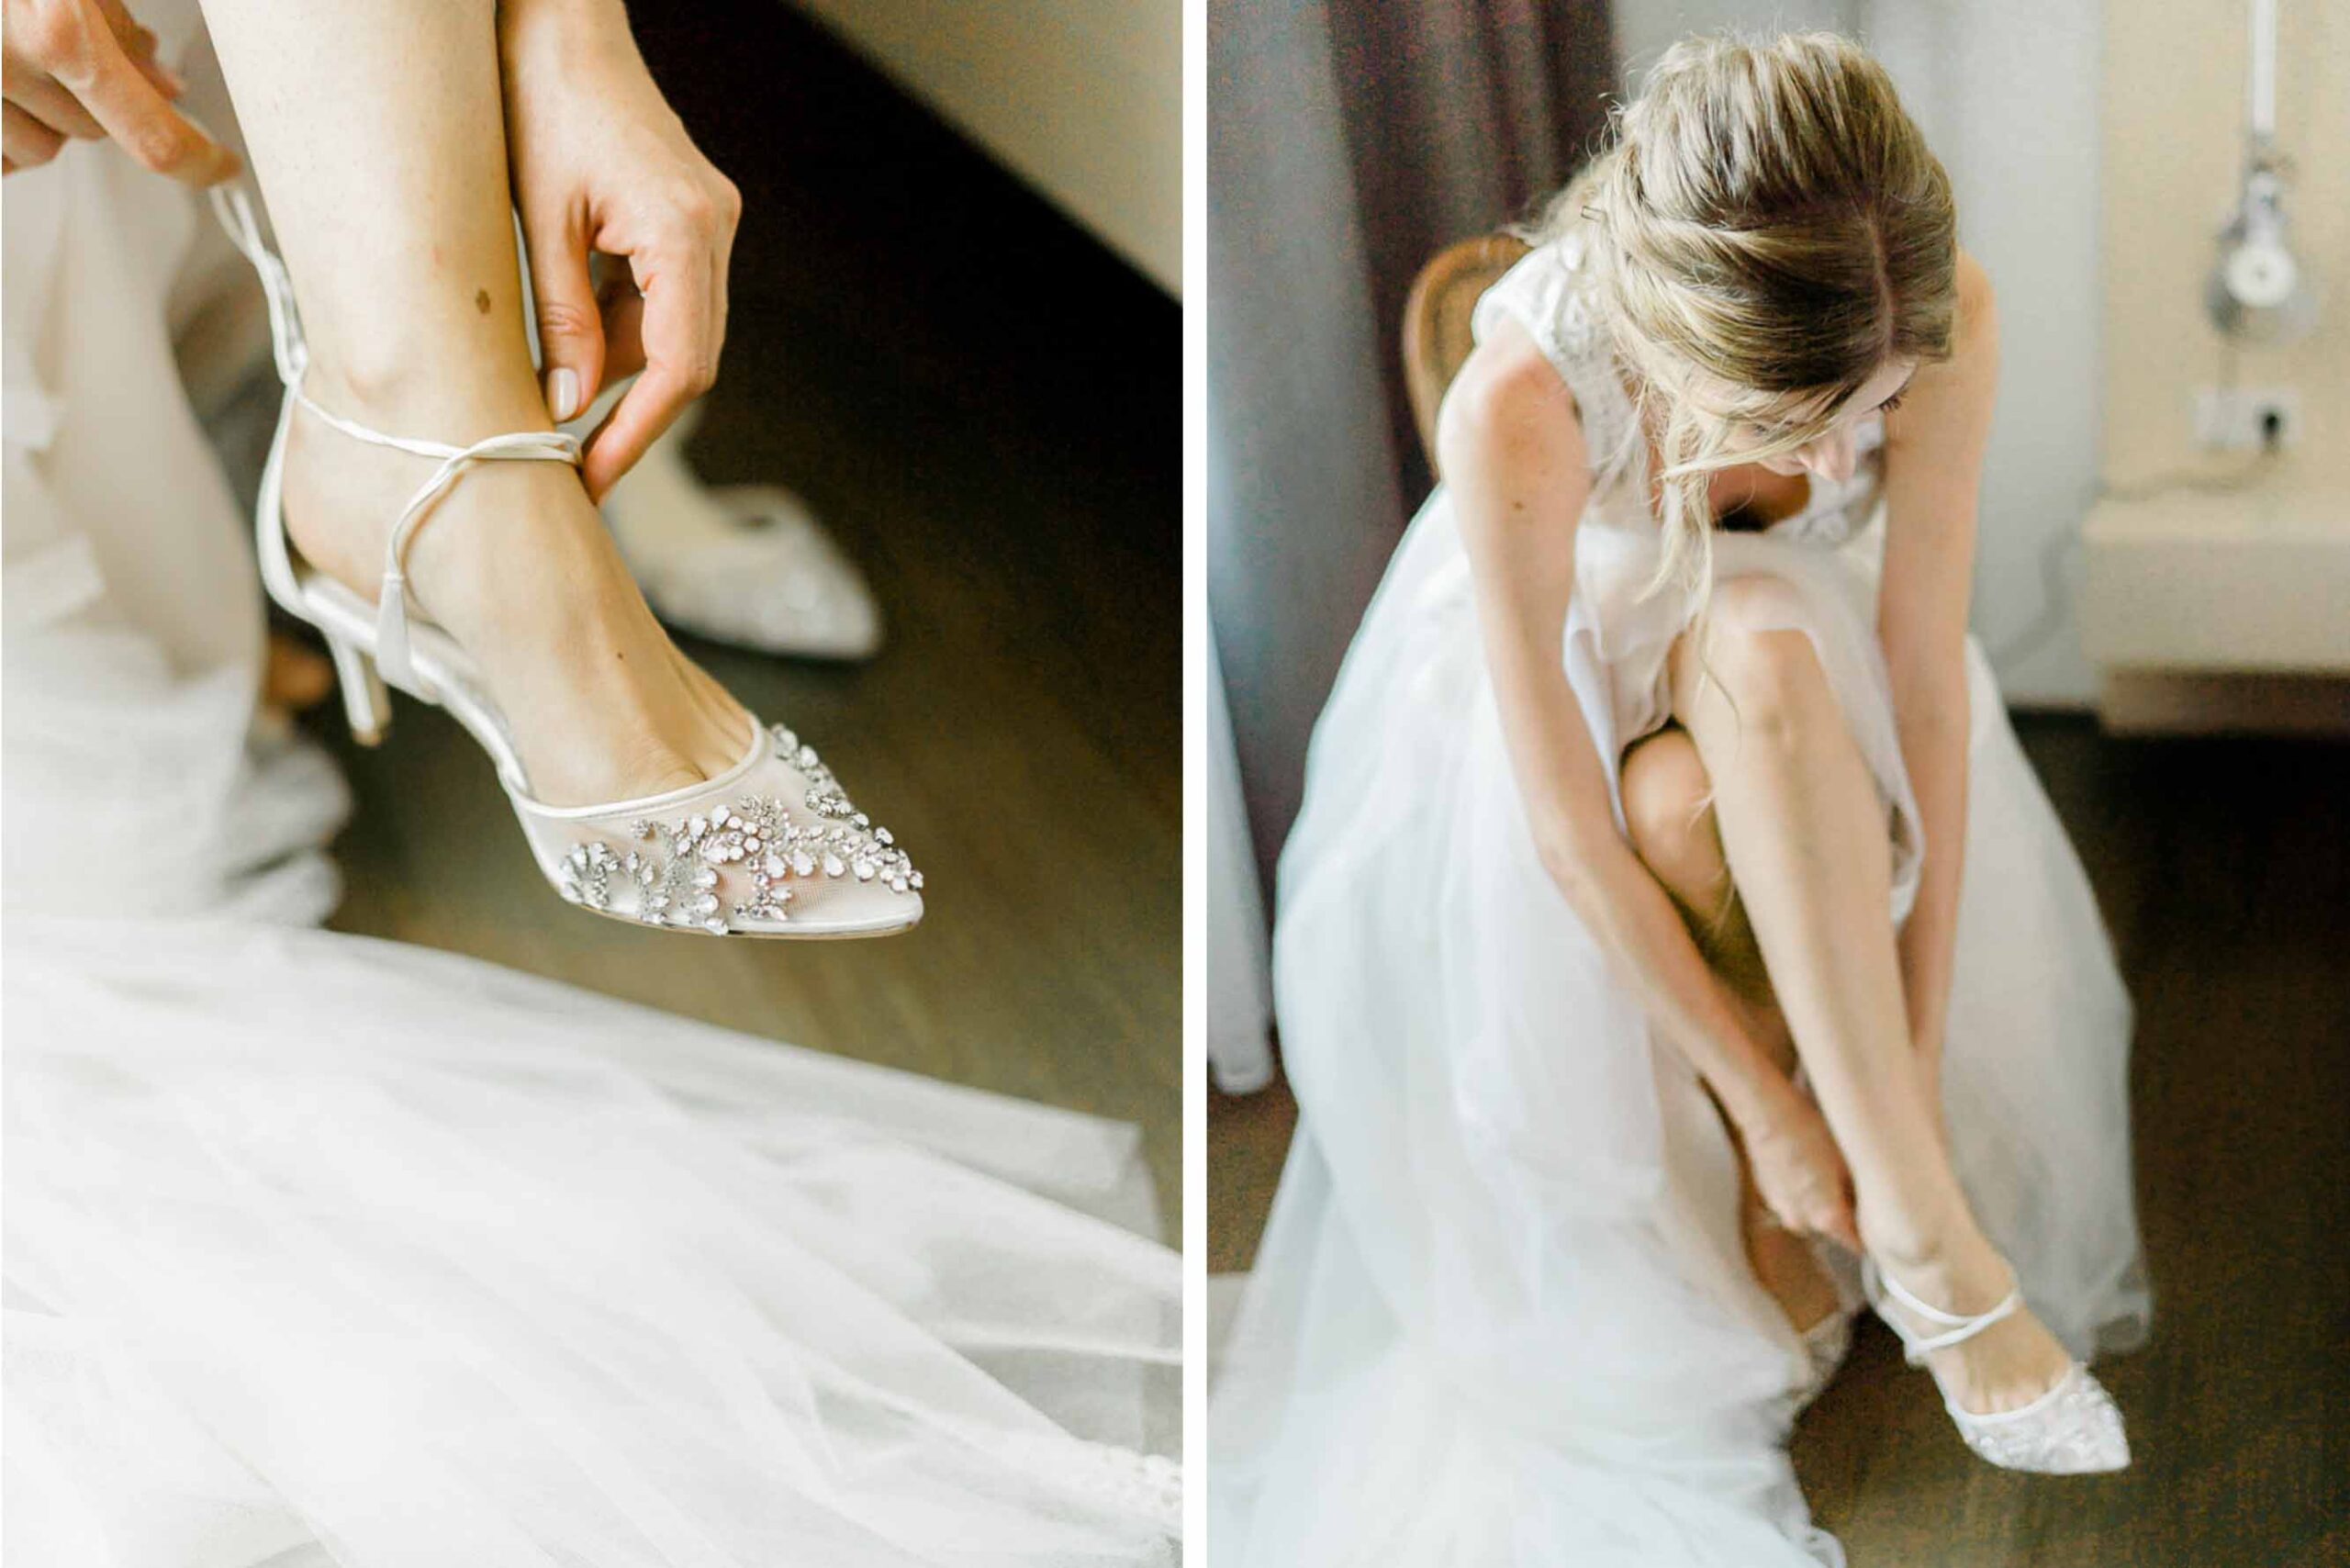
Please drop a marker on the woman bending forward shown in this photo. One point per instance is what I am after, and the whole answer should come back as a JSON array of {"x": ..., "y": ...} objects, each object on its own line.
[{"x": 1676, "y": 947}]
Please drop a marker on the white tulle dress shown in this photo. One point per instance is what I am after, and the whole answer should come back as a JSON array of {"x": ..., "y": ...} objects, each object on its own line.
[
  {"x": 1501, "y": 1314},
  {"x": 320, "y": 1249}
]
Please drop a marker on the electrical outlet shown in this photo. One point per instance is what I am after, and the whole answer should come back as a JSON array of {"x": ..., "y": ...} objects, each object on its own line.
[{"x": 2247, "y": 419}]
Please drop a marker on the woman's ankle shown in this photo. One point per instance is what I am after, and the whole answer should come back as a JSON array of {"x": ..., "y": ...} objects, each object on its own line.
[
  {"x": 514, "y": 564},
  {"x": 423, "y": 401},
  {"x": 1952, "y": 1265},
  {"x": 515, "y": 558},
  {"x": 496, "y": 547}
]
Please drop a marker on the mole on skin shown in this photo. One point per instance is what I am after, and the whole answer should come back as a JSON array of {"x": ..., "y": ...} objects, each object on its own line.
[{"x": 481, "y": 300}]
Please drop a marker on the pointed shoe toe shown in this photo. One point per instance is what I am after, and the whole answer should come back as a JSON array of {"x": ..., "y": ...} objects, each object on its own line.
[
  {"x": 2073, "y": 1429},
  {"x": 771, "y": 847}
]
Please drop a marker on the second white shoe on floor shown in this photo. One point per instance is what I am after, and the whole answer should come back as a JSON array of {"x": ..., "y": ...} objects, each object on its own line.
[{"x": 745, "y": 565}]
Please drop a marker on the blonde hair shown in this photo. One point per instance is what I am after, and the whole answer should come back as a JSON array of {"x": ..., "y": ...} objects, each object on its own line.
[{"x": 1767, "y": 218}]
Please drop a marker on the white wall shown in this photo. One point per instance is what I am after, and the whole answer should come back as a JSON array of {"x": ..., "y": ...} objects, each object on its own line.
[
  {"x": 1645, "y": 28},
  {"x": 1084, "y": 101},
  {"x": 2007, "y": 91},
  {"x": 2220, "y": 606},
  {"x": 2174, "y": 113}
]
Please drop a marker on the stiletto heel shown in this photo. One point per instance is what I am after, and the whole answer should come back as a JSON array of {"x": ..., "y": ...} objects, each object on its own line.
[
  {"x": 770, "y": 847},
  {"x": 366, "y": 703},
  {"x": 2074, "y": 1428}
]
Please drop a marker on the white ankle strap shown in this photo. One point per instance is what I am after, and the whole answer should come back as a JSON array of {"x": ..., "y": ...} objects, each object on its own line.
[
  {"x": 391, "y": 604},
  {"x": 1959, "y": 1327},
  {"x": 235, "y": 212}
]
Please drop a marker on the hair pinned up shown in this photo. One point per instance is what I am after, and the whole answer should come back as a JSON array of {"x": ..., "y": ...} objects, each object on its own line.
[{"x": 1769, "y": 224}]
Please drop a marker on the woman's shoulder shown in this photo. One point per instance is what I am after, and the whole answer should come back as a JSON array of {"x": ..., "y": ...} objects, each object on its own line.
[
  {"x": 1947, "y": 412},
  {"x": 1974, "y": 282},
  {"x": 1509, "y": 393},
  {"x": 1979, "y": 304}
]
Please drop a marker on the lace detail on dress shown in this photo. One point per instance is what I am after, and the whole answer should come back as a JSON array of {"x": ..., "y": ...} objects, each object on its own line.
[{"x": 1145, "y": 1485}]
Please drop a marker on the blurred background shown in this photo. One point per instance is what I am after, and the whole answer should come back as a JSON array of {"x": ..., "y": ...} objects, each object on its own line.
[{"x": 2163, "y": 583}]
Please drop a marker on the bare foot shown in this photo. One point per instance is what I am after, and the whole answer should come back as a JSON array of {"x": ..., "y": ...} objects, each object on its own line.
[{"x": 515, "y": 564}]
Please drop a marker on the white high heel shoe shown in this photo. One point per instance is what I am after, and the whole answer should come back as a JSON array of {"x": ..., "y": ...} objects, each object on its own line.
[
  {"x": 769, "y": 848},
  {"x": 2074, "y": 1428}
]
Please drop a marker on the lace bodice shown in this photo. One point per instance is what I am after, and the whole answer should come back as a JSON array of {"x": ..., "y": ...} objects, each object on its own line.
[{"x": 1549, "y": 293}]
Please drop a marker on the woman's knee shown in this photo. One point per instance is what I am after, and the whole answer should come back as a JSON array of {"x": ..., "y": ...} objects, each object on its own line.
[
  {"x": 1769, "y": 673},
  {"x": 1668, "y": 807}
]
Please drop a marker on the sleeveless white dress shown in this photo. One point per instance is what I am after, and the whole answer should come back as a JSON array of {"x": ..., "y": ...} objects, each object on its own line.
[
  {"x": 1501, "y": 1314},
  {"x": 321, "y": 1249}
]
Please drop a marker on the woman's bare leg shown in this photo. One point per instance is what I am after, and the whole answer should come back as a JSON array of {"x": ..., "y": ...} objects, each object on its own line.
[
  {"x": 378, "y": 134},
  {"x": 1799, "y": 814},
  {"x": 1668, "y": 809}
]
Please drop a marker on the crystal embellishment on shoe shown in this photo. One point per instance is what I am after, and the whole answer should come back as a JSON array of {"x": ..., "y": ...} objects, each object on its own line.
[
  {"x": 2074, "y": 1428},
  {"x": 741, "y": 865}
]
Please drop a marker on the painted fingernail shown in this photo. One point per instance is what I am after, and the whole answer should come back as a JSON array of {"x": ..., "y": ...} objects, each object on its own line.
[{"x": 563, "y": 392}]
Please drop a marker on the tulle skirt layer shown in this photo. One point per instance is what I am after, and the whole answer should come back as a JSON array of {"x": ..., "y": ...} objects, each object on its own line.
[
  {"x": 311, "y": 1238},
  {"x": 1502, "y": 1292}
]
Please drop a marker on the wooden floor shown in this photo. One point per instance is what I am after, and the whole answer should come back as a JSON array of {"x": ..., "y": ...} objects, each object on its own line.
[
  {"x": 2224, "y": 870},
  {"x": 983, "y": 405}
]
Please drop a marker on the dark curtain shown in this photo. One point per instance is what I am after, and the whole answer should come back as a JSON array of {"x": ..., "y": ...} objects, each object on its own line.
[
  {"x": 1349, "y": 140},
  {"x": 1461, "y": 116}
]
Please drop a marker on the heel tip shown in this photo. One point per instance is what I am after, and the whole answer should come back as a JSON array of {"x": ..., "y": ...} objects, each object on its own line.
[{"x": 370, "y": 738}]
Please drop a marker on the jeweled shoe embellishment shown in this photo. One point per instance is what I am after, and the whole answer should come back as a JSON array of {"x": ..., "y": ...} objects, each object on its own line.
[
  {"x": 2074, "y": 1430},
  {"x": 678, "y": 868}
]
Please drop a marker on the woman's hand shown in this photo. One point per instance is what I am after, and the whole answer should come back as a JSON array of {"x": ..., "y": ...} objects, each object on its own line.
[
  {"x": 85, "y": 69},
  {"x": 1798, "y": 1170},
  {"x": 601, "y": 164}
]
